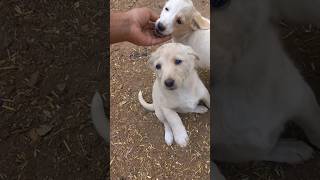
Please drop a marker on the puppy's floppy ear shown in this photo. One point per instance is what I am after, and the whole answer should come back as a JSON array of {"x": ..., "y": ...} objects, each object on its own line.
[
  {"x": 154, "y": 56},
  {"x": 194, "y": 54},
  {"x": 199, "y": 22}
]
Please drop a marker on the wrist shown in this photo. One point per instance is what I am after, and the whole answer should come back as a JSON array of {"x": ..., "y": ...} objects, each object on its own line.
[
  {"x": 129, "y": 25},
  {"x": 120, "y": 25}
]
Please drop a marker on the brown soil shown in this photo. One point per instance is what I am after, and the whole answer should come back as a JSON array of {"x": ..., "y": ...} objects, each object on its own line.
[
  {"x": 50, "y": 52},
  {"x": 138, "y": 149}
]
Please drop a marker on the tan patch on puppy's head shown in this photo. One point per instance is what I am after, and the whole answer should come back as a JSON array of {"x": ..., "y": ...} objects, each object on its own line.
[
  {"x": 173, "y": 61},
  {"x": 187, "y": 20},
  {"x": 199, "y": 22}
]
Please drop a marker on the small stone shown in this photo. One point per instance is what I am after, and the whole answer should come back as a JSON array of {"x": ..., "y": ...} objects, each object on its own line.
[
  {"x": 77, "y": 4},
  {"x": 61, "y": 87}
]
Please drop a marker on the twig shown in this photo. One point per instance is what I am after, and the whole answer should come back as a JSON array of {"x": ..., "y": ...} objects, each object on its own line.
[
  {"x": 8, "y": 68},
  {"x": 80, "y": 142},
  {"x": 8, "y": 108},
  {"x": 68, "y": 148},
  {"x": 7, "y": 100}
]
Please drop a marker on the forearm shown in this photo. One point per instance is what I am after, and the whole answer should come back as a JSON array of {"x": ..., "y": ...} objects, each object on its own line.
[{"x": 119, "y": 27}]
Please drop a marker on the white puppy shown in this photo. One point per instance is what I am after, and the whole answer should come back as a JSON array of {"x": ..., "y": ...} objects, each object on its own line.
[
  {"x": 186, "y": 25},
  {"x": 257, "y": 88},
  {"x": 177, "y": 89}
]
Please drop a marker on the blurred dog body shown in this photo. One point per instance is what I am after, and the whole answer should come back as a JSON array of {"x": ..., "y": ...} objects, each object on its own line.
[{"x": 257, "y": 89}]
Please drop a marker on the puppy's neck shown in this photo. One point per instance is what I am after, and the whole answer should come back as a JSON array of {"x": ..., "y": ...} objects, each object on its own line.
[{"x": 181, "y": 37}]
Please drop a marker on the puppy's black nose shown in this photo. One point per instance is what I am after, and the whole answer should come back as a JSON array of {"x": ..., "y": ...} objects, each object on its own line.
[
  {"x": 169, "y": 83},
  {"x": 161, "y": 27}
]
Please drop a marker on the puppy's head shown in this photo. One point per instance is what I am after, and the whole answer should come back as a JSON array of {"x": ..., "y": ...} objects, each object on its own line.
[
  {"x": 179, "y": 17},
  {"x": 173, "y": 63}
]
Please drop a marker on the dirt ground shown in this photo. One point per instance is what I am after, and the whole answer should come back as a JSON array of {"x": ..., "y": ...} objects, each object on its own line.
[
  {"x": 51, "y": 63},
  {"x": 138, "y": 149}
]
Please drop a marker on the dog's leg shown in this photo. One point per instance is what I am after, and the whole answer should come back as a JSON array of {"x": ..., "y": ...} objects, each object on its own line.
[
  {"x": 216, "y": 174},
  {"x": 311, "y": 127},
  {"x": 177, "y": 127},
  {"x": 99, "y": 119},
  {"x": 289, "y": 151},
  {"x": 206, "y": 99},
  {"x": 306, "y": 110},
  {"x": 310, "y": 121},
  {"x": 168, "y": 136}
]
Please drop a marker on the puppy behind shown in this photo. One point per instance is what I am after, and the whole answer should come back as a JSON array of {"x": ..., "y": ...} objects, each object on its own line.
[
  {"x": 99, "y": 119},
  {"x": 177, "y": 89},
  {"x": 186, "y": 25}
]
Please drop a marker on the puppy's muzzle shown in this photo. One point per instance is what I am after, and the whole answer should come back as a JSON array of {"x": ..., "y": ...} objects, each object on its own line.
[
  {"x": 169, "y": 83},
  {"x": 160, "y": 28}
]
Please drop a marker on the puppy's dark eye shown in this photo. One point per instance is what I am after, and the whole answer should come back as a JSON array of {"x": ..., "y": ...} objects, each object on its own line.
[
  {"x": 158, "y": 66},
  {"x": 179, "y": 21},
  {"x": 178, "y": 61},
  {"x": 167, "y": 9}
]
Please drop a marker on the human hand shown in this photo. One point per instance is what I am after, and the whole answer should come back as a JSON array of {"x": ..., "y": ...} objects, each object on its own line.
[{"x": 141, "y": 28}]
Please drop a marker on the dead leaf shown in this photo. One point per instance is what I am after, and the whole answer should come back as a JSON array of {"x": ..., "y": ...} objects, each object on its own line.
[
  {"x": 18, "y": 10},
  {"x": 34, "y": 136},
  {"x": 44, "y": 130}
]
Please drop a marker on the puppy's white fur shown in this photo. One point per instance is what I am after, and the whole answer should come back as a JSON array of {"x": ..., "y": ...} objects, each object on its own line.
[
  {"x": 257, "y": 88},
  {"x": 193, "y": 31},
  {"x": 188, "y": 90}
]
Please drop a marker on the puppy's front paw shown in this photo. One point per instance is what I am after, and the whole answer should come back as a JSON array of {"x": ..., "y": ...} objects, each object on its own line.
[
  {"x": 168, "y": 137},
  {"x": 291, "y": 151},
  {"x": 301, "y": 152},
  {"x": 182, "y": 139},
  {"x": 201, "y": 109}
]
